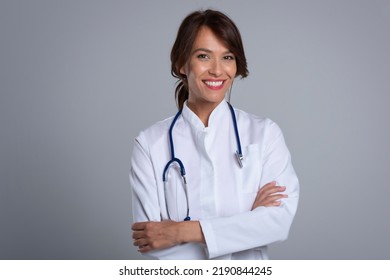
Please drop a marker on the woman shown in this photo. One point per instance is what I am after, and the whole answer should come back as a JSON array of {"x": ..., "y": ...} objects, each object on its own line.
[{"x": 233, "y": 204}]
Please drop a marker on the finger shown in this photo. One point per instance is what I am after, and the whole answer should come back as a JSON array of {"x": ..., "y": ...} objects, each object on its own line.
[
  {"x": 138, "y": 234},
  {"x": 271, "y": 200},
  {"x": 271, "y": 203},
  {"x": 268, "y": 185},
  {"x": 139, "y": 226},
  {"x": 140, "y": 242},
  {"x": 274, "y": 197},
  {"x": 144, "y": 249},
  {"x": 278, "y": 196},
  {"x": 272, "y": 190}
]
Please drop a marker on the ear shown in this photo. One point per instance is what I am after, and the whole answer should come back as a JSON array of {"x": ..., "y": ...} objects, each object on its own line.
[{"x": 182, "y": 71}]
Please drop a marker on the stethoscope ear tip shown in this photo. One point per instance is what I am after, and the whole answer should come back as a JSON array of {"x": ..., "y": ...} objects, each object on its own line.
[{"x": 187, "y": 219}]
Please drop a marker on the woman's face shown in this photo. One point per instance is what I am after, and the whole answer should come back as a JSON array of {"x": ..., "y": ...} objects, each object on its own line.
[{"x": 210, "y": 70}]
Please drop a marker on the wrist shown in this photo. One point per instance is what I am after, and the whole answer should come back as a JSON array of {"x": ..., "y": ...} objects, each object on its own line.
[{"x": 190, "y": 231}]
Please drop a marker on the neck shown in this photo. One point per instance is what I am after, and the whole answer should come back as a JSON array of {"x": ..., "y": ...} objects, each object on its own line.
[{"x": 203, "y": 111}]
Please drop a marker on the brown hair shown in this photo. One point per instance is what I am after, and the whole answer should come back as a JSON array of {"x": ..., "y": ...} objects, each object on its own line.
[{"x": 222, "y": 27}]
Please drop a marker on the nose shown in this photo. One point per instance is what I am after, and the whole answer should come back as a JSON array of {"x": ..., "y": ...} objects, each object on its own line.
[{"x": 215, "y": 68}]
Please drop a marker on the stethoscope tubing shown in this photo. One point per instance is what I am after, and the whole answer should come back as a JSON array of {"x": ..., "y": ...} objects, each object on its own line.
[{"x": 181, "y": 165}]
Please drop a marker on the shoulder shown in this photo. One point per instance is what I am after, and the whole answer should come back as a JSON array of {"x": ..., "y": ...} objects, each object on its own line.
[
  {"x": 154, "y": 133},
  {"x": 257, "y": 124}
]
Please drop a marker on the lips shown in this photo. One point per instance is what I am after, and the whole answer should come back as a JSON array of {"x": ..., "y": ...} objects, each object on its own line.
[{"x": 214, "y": 84}]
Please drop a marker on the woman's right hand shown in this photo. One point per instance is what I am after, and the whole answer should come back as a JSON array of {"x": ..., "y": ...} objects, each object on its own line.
[{"x": 269, "y": 195}]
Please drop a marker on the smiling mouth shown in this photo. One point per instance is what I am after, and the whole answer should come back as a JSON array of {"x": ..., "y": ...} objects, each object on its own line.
[{"x": 214, "y": 85}]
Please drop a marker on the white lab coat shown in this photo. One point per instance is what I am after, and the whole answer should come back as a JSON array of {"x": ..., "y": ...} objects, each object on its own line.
[{"x": 220, "y": 192}]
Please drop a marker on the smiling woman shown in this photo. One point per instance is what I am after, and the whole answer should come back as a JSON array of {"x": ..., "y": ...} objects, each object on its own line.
[
  {"x": 209, "y": 73},
  {"x": 222, "y": 32},
  {"x": 225, "y": 207}
]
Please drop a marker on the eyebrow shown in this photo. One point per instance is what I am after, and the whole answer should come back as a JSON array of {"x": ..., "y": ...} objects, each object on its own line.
[{"x": 209, "y": 51}]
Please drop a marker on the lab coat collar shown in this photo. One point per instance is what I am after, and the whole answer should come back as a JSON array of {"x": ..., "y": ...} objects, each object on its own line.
[{"x": 217, "y": 115}]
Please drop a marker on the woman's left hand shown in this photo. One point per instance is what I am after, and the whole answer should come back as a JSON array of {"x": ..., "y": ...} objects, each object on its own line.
[
  {"x": 149, "y": 236},
  {"x": 155, "y": 235}
]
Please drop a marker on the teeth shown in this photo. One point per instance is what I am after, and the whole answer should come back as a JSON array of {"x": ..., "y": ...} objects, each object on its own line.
[{"x": 214, "y": 84}]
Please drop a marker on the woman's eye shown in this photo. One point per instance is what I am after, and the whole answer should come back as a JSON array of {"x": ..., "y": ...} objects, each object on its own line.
[
  {"x": 228, "y": 57},
  {"x": 202, "y": 56}
]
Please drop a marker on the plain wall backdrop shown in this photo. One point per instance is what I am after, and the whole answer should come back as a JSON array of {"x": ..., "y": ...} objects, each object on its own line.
[{"x": 80, "y": 79}]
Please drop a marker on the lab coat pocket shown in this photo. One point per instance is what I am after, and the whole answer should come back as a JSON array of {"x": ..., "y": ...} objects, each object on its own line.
[
  {"x": 175, "y": 197},
  {"x": 250, "y": 176},
  {"x": 252, "y": 169}
]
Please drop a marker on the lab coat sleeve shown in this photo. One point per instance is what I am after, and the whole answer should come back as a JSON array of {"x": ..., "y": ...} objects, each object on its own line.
[
  {"x": 263, "y": 225},
  {"x": 145, "y": 202}
]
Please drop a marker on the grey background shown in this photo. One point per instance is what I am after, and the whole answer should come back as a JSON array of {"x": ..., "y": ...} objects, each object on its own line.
[{"x": 80, "y": 79}]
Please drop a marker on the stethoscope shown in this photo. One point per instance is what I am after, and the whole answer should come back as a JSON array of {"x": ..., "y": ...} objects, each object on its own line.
[{"x": 174, "y": 159}]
